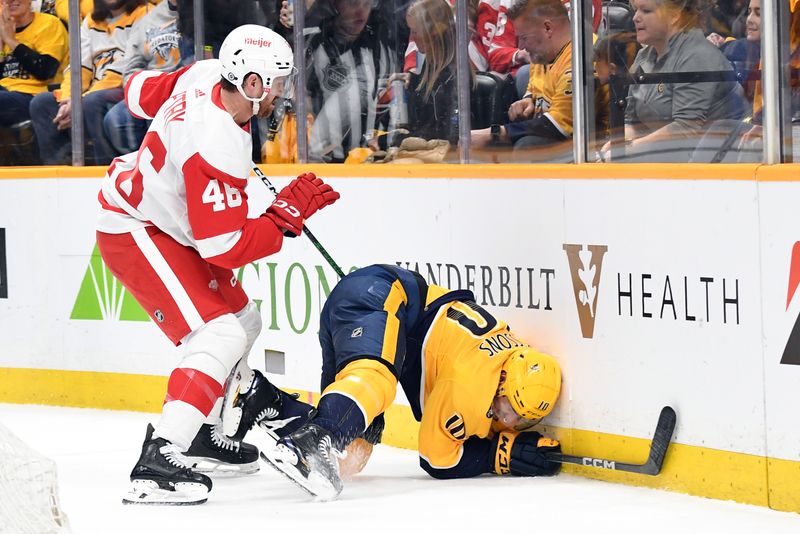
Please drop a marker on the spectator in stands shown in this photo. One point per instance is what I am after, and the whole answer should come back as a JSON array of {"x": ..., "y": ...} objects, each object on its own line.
[
  {"x": 498, "y": 36},
  {"x": 664, "y": 121},
  {"x": 739, "y": 24},
  {"x": 477, "y": 51},
  {"x": 544, "y": 116},
  {"x": 315, "y": 13},
  {"x": 47, "y": 6},
  {"x": 34, "y": 48},
  {"x": 751, "y": 144},
  {"x": 745, "y": 54},
  {"x": 104, "y": 36},
  {"x": 432, "y": 94},
  {"x": 62, "y": 9},
  {"x": 522, "y": 75},
  {"x": 346, "y": 56},
  {"x": 220, "y": 17},
  {"x": 154, "y": 44},
  {"x": 498, "y": 49},
  {"x": 718, "y": 21}
]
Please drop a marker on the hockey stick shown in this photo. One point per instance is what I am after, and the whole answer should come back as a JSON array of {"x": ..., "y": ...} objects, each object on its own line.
[
  {"x": 658, "y": 450},
  {"x": 306, "y": 231}
]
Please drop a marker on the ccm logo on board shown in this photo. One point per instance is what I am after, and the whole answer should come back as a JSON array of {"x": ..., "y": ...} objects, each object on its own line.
[{"x": 3, "y": 270}]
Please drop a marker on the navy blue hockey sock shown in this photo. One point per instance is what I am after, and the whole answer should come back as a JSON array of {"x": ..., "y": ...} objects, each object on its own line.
[{"x": 340, "y": 416}]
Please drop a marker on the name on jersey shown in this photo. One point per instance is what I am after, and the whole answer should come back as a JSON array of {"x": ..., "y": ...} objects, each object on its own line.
[
  {"x": 500, "y": 342},
  {"x": 176, "y": 109}
]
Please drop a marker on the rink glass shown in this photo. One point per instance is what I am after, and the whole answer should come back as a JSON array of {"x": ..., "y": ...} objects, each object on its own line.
[{"x": 366, "y": 123}]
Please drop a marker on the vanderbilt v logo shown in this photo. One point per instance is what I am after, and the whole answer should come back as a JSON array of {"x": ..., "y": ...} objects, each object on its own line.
[
  {"x": 791, "y": 353},
  {"x": 585, "y": 266}
]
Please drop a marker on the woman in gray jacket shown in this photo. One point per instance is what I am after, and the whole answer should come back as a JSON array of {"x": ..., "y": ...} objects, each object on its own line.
[{"x": 665, "y": 121}]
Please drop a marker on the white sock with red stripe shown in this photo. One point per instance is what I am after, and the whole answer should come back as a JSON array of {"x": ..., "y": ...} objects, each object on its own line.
[{"x": 194, "y": 390}]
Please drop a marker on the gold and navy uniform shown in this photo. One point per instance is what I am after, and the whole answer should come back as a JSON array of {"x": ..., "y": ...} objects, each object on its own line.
[{"x": 382, "y": 325}]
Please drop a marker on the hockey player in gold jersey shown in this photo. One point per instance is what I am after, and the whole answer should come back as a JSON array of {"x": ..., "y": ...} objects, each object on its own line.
[{"x": 471, "y": 383}]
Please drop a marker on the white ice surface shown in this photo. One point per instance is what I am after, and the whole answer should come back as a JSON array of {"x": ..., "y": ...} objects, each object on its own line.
[{"x": 95, "y": 451}]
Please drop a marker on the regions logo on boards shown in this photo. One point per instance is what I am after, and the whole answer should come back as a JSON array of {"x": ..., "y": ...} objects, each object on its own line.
[
  {"x": 3, "y": 269},
  {"x": 791, "y": 352},
  {"x": 585, "y": 266},
  {"x": 102, "y": 298},
  {"x": 286, "y": 294}
]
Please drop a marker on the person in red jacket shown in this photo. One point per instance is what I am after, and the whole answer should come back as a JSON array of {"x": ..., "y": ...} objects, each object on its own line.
[{"x": 174, "y": 223}]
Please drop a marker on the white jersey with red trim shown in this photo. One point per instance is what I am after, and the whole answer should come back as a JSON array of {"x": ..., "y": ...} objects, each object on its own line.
[
  {"x": 497, "y": 36},
  {"x": 189, "y": 176}
]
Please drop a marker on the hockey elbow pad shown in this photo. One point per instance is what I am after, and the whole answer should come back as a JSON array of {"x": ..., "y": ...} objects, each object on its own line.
[{"x": 524, "y": 454}]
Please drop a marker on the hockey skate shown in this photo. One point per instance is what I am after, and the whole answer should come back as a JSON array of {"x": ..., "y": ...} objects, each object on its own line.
[
  {"x": 263, "y": 404},
  {"x": 215, "y": 454},
  {"x": 308, "y": 458},
  {"x": 163, "y": 476}
]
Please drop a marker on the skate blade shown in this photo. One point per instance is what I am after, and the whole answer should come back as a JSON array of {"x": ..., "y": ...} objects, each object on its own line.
[
  {"x": 216, "y": 469},
  {"x": 315, "y": 485},
  {"x": 270, "y": 426},
  {"x": 149, "y": 492}
]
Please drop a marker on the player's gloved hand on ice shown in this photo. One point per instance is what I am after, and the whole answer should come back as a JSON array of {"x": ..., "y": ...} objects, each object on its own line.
[
  {"x": 374, "y": 431},
  {"x": 523, "y": 454},
  {"x": 299, "y": 200}
]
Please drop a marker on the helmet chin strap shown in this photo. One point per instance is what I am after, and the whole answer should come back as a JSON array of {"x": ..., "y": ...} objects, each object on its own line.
[{"x": 255, "y": 101}]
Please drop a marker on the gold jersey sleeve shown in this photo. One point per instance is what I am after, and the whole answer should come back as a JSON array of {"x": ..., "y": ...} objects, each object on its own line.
[{"x": 448, "y": 420}]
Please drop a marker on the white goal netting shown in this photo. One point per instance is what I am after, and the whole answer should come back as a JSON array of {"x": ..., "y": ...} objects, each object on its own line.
[{"x": 28, "y": 490}]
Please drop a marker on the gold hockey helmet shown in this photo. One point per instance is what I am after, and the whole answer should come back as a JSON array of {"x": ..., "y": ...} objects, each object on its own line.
[{"x": 532, "y": 384}]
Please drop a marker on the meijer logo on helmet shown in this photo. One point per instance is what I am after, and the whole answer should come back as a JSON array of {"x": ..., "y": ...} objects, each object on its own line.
[{"x": 259, "y": 41}]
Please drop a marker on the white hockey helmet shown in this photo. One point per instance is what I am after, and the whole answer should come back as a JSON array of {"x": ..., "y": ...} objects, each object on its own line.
[{"x": 253, "y": 48}]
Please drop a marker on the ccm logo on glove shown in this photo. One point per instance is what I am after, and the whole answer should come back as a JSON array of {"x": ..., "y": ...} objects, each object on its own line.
[
  {"x": 298, "y": 201},
  {"x": 291, "y": 210},
  {"x": 524, "y": 454}
]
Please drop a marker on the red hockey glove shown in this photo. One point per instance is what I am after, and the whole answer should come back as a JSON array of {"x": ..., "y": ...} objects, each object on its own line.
[
  {"x": 298, "y": 201},
  {"x": 313, "y": 193},
  {"x": 523, "y": 454}
]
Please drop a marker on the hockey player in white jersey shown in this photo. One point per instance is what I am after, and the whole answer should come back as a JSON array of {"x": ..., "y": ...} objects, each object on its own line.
[{"x": 172, "y": 226}]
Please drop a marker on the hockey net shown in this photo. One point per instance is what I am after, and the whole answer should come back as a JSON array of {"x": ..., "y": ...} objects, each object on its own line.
[{"x": 28, "y": 490}]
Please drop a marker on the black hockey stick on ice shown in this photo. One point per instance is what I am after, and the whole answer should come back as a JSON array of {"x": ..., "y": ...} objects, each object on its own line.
[
  {"x": 306, "y": 231},
  {"x": 658, "y": 450}
]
